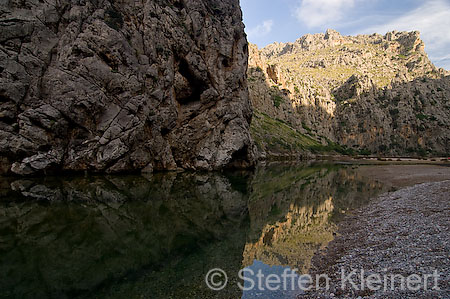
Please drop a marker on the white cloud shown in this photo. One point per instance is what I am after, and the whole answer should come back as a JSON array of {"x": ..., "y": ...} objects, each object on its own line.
[
  {"x": 432, "y": 19},
  {"x": 315, "y": 13},
  {"x": 260, "y": 30}
]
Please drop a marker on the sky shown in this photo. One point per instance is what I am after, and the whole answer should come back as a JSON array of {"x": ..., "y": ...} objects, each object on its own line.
[{"x": 269, "y": 21}]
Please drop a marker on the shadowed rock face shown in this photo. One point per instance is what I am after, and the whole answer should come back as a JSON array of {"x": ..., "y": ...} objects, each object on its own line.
[{"x": 123, "y": 85}]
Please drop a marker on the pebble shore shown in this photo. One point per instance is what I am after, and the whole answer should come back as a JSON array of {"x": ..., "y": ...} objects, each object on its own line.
[{"x": 406, "y": 232}]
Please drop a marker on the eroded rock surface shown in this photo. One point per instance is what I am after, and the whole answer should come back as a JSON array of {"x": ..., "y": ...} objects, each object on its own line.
[
  {"x": 123, "y": 85},
  {"x": 374, "y": 94}
]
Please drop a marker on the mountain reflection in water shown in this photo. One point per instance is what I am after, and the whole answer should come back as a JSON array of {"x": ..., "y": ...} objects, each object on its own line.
[{"x": 158, "y": 235}]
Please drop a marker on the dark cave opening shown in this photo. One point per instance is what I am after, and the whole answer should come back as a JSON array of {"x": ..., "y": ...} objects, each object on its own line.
[
  {"x": 239, "y": 159},
  {"x": 188, "y": 86}
]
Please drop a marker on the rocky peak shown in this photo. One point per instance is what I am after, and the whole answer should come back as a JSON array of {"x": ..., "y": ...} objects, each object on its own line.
[
  {"x": 255, "y": 58},
  {"x": 334, "y": 38},
  {"x": 404, "y": 43},
  {"x": 332, "y": 34}
]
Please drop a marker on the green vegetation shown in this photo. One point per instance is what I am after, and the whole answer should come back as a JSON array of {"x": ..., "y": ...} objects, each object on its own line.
[
  {"x": 306, "y": 127},
  {"x": 277, "y": 100},
  {"x": 394, "y": 112},
  {"x": 382, "y": 148},
  {"x": 277, "y": 136},
  {"x": 421, "y": 152},
  {"x": 365, "y": 152},
  {"x": 421, "y": 116}
]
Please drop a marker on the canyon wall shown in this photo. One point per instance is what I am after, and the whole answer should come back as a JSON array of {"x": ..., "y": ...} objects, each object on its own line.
[
  {"x": 116, "y": 86},
  {"x": 372, "y": 94}
]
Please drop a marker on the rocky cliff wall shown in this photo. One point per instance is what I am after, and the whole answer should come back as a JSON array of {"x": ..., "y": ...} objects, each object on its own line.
[
  {"x": 113, "y": 86},
  {"x": 371, "y": 93}
]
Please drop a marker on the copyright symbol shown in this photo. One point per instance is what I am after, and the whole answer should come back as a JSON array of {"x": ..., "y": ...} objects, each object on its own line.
[{"x": 216, "y": 279}]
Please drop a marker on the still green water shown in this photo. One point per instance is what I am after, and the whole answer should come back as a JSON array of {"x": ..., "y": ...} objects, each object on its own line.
[{"x": 157, "y": 236}]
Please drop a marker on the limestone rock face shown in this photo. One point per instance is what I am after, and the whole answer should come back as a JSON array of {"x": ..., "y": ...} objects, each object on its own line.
[
  {"x": 114, "y": 86},
  {"x": 372, "y": 93}
]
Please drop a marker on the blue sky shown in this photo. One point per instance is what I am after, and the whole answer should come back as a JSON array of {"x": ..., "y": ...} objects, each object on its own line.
[{"x": 268, "y": 21}]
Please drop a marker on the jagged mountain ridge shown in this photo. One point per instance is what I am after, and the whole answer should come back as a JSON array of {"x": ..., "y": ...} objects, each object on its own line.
[{"x": 371, "y": 93}]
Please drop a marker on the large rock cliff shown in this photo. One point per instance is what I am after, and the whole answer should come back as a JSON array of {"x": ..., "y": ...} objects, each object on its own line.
[
  {"x": 116, "y": 86},
  {"x": 369, "y": 93}
]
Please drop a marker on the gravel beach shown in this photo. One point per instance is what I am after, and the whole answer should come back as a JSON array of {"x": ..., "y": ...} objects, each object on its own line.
[{"x": 404, "y": 232}]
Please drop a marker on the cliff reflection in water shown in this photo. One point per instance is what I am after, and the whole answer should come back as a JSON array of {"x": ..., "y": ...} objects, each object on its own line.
[
  {"x": 157, "y": 236},
  {"x": 293, "y": 211}
]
